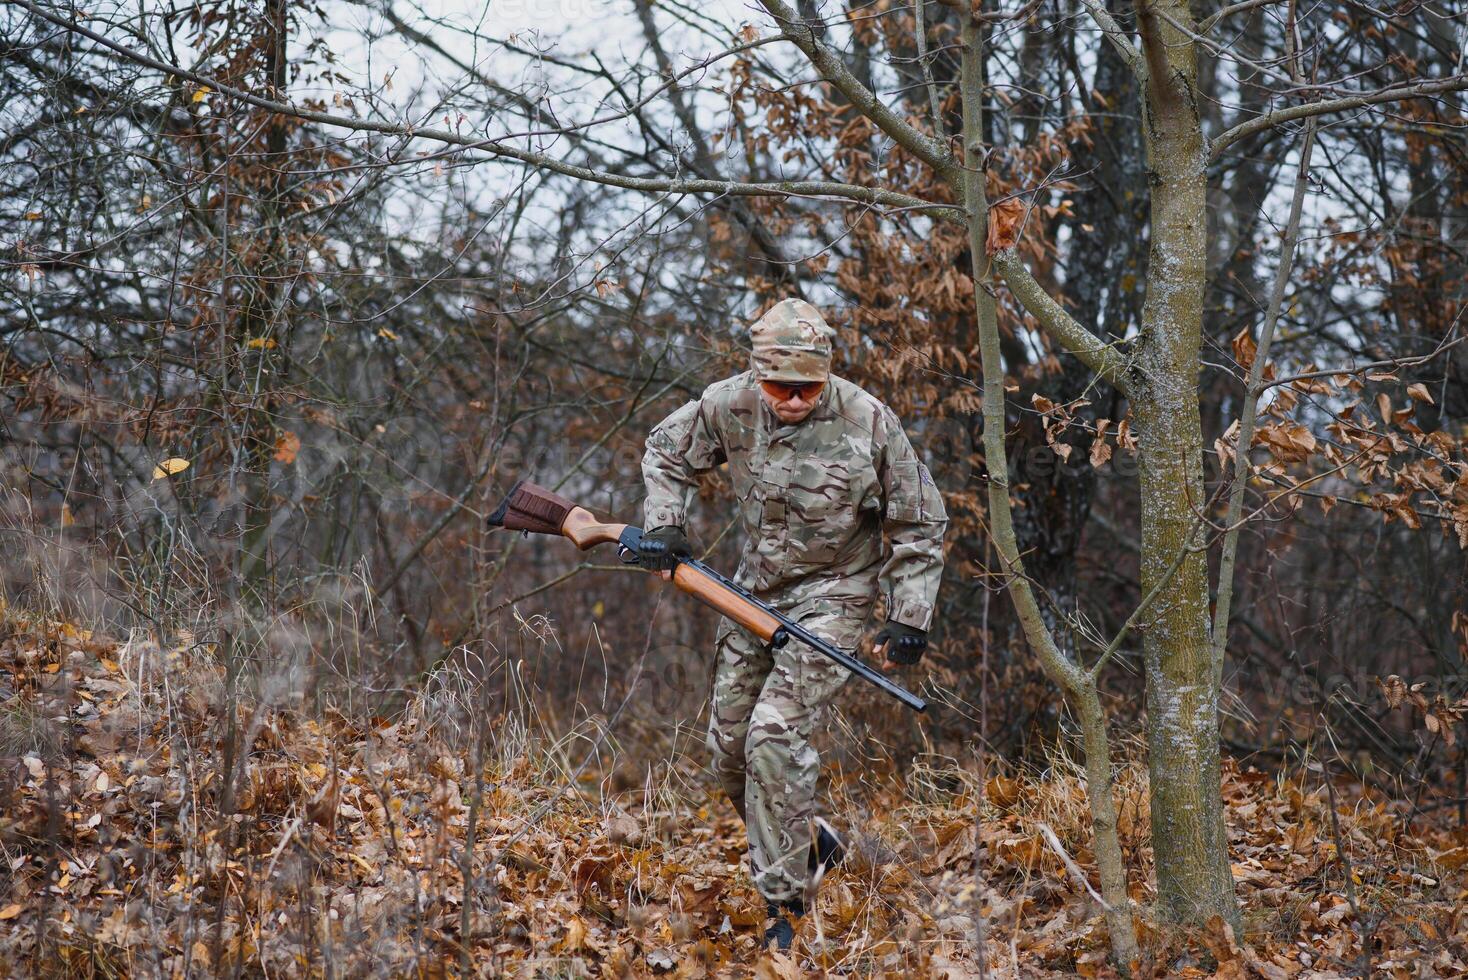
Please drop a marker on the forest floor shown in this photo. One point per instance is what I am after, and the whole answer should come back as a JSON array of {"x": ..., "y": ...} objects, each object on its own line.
[{"x": 139, "y": 839}]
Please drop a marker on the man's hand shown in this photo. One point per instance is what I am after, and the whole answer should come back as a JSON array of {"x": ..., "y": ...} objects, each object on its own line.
[
  {"x": 901, "y": 645},
  {"x": 661, "y": 548}
]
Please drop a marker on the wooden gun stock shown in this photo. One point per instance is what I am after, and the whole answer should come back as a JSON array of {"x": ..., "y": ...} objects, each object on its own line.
[{"x": 585, "y": 531}]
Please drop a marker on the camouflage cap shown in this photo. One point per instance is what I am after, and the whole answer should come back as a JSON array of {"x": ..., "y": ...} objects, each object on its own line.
[{"x": 791, "y": 342}]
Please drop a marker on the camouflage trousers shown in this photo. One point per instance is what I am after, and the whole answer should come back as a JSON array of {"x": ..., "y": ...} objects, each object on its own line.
[{"x": 765, "y": 708}]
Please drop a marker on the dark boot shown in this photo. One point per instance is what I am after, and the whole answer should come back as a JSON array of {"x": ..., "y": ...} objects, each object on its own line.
[
  {"x": 781, "y": 932},
  {"x": 826, "y": 851}
]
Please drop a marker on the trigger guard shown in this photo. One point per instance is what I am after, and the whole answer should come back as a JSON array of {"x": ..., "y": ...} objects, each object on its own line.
[{"x": 628, "y": 545}]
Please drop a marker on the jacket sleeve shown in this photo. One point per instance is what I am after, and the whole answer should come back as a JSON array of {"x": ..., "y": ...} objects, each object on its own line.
[
  {"x": 679, "y": 448},
  {"x": 914, "y": 521}
]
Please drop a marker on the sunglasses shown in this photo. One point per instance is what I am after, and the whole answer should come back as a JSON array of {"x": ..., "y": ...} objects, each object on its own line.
[{"x": 783, "y": 391}]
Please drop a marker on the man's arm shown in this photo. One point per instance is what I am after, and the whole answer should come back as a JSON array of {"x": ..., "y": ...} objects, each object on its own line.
[
  {"x": 914, "y": 520},
  {"x": 679, "y": 448}
]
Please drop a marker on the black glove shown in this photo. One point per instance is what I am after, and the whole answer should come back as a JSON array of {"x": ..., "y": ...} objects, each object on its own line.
[
  {"x": 904, "y": 644},
  {"x": 661, "y": 548}
]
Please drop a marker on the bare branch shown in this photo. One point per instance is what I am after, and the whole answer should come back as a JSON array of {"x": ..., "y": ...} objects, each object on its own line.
[
  {"x": 1212, "y": 20},
  {"x": 935, "y": 104},
  {"x": 1118, "y": 39},
  {"x": 496, "y": 148},
  {"x": 1092, "y": 351},
  {"x": 1392, "y": 93}
]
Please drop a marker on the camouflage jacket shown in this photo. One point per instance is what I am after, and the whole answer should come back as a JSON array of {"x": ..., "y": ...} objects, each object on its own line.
[{"x": 814, "y": 497}]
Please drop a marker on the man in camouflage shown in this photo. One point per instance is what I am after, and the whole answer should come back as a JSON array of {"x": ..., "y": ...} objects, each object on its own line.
[{"x": 821, "y": 468}]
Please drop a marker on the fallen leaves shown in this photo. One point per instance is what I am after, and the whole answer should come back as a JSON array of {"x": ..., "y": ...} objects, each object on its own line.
[
  {"x": 352, "y": 834},
  {"x": 623, "y": 829}
]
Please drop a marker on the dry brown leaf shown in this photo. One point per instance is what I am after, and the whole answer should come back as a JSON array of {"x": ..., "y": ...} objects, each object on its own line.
[
  {"x": 1006, "y": 220},
  {"x": 622, "y": 829},
  {"x": 1452, "y": 860},
  {"x": 777, "y": 966},
  {"x": 1002, "y": 791},
  {"x": 1394, "y": 688},
  {"x": 1420, "y": 393},
  {"x": 617, "y": 965},
  {"x": 1245, "y": 348},
  {"x": 1290, "y": 442},
  {"x": 575, "y": 937},
  {"x": 287, "y": 444},
  {"x": 169, "y": 467}
]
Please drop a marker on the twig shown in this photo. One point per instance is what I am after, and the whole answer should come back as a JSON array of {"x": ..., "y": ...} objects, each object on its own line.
[{"x": 1070, "y": 864}]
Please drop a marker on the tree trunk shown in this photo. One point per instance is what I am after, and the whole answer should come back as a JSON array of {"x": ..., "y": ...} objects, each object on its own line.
[
  {"x": 263, "y": 320},
  {"x": 1190, "y": 845},
  {"x": 1078, "y": 685}
]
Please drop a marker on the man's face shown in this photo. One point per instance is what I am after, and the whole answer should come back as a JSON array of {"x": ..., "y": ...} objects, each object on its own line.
[{"x": 791, "y": 401}]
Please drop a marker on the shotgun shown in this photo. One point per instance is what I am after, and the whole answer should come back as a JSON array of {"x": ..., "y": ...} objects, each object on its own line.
[{"x": 534, "y": 509}]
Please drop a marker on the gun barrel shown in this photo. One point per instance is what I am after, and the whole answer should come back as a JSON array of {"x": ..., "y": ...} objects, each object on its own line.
[{"x": 795, "y": 630}]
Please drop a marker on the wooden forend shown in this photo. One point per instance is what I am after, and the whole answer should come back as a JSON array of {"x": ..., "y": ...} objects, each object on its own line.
[{"x": 712, "y": 594}]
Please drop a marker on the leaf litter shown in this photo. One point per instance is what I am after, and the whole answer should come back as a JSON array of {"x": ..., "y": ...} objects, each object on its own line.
[{"x": 339, "y": 849}]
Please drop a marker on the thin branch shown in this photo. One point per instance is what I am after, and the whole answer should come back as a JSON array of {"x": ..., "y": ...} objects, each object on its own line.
[
  {"x": 1251, "y": 396},
  {"x": 1392, "y": 93},
  {"x": 1391, "y": 364},
  {"x": 935, "y": 104},
  {"x": 1212, "y": 20},
  {"x": 1118, "y": 39},
  {"x": 1142, "y": 607},
  {"x": 1071, "y": 866}
]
